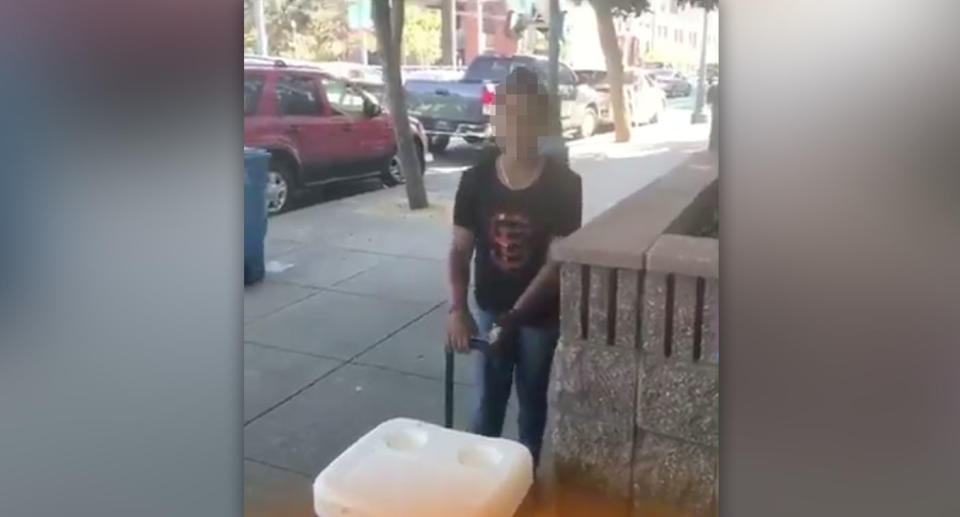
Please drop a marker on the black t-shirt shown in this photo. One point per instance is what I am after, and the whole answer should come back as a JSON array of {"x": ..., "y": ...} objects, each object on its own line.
[{"x": 513, "y": 229}]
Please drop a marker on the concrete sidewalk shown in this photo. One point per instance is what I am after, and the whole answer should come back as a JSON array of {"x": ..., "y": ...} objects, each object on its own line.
[
  {"x": 344, "y": 333},
  {"x": 346, "y": 329}
]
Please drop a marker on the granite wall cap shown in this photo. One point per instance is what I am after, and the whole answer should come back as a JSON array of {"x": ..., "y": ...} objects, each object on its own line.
[
  {"x": 620, "y": 237},
  {"x": 684, "y": 255}
]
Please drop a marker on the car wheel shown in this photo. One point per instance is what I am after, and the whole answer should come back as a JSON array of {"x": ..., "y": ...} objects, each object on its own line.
[
  {"x": 658, "y": 115},
  {"x": 392, "y": 174},
  {"x": 279, "y": 187},
  {"x": 588, "y": 125},
  {"x": 438, "y": 144}
]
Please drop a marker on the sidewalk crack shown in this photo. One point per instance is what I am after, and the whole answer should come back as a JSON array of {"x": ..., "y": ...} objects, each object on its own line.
[
  {"x": 349, "y": 361},
  {"x": 278, "y": 467}
]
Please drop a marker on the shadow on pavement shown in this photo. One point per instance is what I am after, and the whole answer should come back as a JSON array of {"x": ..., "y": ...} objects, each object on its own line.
[{"x": 334, "y": 192}]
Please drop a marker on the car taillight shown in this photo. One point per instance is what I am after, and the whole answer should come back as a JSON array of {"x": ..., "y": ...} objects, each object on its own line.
[
  {"x": 488, "y": 99},
  {"x": 488, "y": 96}
]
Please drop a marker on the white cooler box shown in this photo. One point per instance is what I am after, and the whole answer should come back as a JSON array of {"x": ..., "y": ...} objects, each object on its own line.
[{"x": 408, "y": 468}]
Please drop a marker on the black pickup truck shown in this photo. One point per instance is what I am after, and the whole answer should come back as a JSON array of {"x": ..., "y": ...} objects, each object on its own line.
[{"x": 462, "y": 108}]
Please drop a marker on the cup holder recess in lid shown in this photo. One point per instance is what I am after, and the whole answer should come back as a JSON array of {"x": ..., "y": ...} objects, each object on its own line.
[
  {"x": 479, "y": 456},
  {"x": 409, "y": 439}
]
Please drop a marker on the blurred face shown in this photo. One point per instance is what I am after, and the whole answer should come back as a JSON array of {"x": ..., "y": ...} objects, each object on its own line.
[{"x": 518, "y": 122}]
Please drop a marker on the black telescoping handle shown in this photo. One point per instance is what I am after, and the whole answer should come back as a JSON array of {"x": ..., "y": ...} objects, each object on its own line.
[
  {"x": 479, "y": 344},
  {"x": 448, "y": 390}
]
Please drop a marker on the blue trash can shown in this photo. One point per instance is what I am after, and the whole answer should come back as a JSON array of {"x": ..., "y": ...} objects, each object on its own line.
[{"x": 255, "y": 162}]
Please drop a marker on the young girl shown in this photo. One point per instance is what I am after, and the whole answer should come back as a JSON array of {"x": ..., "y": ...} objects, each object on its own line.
[{"x": 508, "y": 210}]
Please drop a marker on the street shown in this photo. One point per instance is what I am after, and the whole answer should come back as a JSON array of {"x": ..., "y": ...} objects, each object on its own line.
[{"x": 346, "y": 329}]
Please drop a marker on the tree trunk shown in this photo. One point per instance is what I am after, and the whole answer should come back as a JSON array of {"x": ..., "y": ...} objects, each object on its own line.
[
  {"x": 558, "y": 147},
  {"x": 614, "y": 59},
  {"x": 389, "y": 35}
]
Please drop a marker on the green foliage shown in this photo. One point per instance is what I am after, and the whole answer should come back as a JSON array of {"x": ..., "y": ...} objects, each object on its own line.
[
  {"x": 304, "y": 29},
  {"x": 421, "y": 35},
  {"x": 638, "y": 7},
  {"x": 317, "y": 30},
  {"x": 622, "y": 8}
]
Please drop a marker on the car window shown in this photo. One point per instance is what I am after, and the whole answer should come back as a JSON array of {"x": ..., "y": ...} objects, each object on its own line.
[
  {"x": 376, "y": 90},
  {"x": 542, "y": 68},
  {"x": 594, "y": 77},
  {"x": 566, "y": 76},
  {"x": 343, "y": 98},
  {"x": 489, "y": 69},
  {"x": 252, "y": 88},
  {"x": 297, "y": 95}
]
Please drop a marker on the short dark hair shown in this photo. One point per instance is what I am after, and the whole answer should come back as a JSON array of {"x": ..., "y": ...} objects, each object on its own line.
[
  {"x": 524, "y": 81},
  {"x": 521, "y": 80}
]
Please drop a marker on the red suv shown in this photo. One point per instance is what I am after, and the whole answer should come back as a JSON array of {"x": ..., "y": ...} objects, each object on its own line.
[{"x": 318, "y": 129}]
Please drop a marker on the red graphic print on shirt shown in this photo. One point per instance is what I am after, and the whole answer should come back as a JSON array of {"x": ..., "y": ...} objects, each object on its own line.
[{"x": 511, "y": 238}]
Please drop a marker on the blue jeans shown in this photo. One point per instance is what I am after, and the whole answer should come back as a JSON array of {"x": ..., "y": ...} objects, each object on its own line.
[{"x": 529, "y": 359}]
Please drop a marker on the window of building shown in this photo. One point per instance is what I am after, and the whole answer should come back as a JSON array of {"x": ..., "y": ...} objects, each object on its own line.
[{"x": 693, "y": 39}]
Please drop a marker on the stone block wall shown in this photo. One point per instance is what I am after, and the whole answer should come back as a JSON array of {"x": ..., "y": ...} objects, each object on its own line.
[{"x": 635, "y": 387}]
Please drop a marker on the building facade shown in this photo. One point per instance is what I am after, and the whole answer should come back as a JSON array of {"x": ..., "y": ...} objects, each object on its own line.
[
  {"x": 673, "y": 35},
  {"x": 668, "y": 35},
  {"x": 473, "y": 38}
]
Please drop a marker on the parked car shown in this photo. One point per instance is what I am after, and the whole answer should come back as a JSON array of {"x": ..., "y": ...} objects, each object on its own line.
[
  {"x": 318, "y": 129},
  {"x": 647, "y": 102},
  {"x": 673, "y": 83},
  {"x": 378, "y": 89},
  {"x": 437, "y": 74},
  {"x": 462, "y": 108},
  {"x": 351, "y": 71},
  {"x": 597, "y": 79}
]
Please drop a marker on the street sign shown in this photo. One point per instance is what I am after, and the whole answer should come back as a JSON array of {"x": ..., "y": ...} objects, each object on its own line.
[{"x": 359, "y": 15}]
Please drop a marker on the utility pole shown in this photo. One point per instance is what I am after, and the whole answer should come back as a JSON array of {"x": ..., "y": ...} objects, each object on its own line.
[
  {"x": 262, "y": 46},
  {"x": 448, "y": 11},
  {"x": 556, "y": 146},
  {"x": 653, "y": 34},
  {"x": 363, "y": 47},
  {"x": 453, "y": 33},
  {"x": 479, "y": 27},
  {"x": 698, "y": 117},
  {"x": 553, "y": 52}
]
